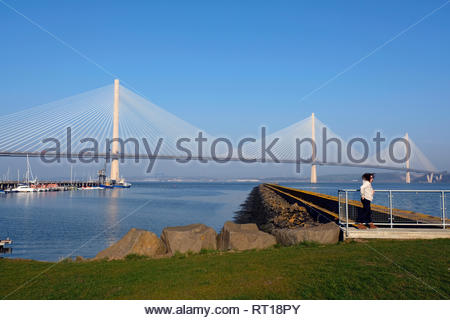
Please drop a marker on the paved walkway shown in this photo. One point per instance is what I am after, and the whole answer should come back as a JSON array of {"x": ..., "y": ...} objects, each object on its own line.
[{"x": 397, "y": 233}]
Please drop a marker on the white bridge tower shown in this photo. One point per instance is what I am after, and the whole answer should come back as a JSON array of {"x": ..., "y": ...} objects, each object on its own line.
[
  {"x": 115, "y": 144},
  {"x": 313, "y": 138}
]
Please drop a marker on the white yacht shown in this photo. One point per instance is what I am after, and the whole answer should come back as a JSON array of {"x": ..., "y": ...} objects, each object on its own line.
[
  {"x": 30, "y": 185},
  {"x": 23, "y": 188}
]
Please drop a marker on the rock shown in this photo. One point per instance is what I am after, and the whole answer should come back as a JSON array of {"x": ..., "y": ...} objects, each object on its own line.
[
  {"x": 264, "y": 206},
  {"x": 289, "y": 237},
  {"x": 325, "y": 233},
  {"x": 267, "y": 228},
  {"x": 243, "y": 237},
  {"x": 193, "y": 237},
  {"x": 136, "y": 241},
  {"x": 79, "y": 259}
]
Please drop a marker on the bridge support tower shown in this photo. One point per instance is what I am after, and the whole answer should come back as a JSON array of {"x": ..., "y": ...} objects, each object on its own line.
[
  {"x": 313, "y": 138},
  {"x": 408, "y": 174},
  {"x": 115, "y": 144}
]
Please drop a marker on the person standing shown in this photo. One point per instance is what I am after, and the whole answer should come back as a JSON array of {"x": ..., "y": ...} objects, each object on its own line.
[{"x": 367, "y": 193}]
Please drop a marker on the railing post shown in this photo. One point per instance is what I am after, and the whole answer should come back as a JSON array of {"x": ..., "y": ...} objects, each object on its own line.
[
  {"x": 339, "y": 206},
  {"x": 443, "y": 209},
  {"x": 390, "y": 209},
  {"x": 346, "y": 213}
]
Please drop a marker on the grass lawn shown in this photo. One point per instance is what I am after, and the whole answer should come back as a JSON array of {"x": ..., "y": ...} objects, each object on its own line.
[{"x": 380, "y": 269}]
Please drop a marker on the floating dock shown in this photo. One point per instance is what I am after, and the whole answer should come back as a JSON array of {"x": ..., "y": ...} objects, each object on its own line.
[{"x": 414, "y": 225}]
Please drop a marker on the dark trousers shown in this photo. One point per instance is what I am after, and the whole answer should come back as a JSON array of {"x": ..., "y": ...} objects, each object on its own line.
[{"x": 365, "y": 215}]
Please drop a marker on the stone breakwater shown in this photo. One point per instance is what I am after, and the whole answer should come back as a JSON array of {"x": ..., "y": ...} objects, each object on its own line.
[
  {"x": 270, "y": 211},
  {"x": 265, "y": 219}
]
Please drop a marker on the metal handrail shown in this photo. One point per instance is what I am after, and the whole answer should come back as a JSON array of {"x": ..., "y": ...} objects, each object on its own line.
[{"x": 390, "y": 192}]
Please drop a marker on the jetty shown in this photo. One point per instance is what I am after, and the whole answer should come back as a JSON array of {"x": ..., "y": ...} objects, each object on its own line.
[
  {"x": 392, "y": 223},
  {"x": 57, "y": 185}
]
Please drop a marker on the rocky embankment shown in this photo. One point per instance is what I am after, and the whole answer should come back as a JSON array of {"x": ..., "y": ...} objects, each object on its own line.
[
  {"x": 265, "y": 219},
  {"x": 290, "y": 223},
  {"x": 271, "y": 211}
]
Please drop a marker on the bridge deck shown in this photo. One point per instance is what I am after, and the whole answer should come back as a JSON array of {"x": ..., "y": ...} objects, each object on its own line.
[{"x": 123, "y": 156}]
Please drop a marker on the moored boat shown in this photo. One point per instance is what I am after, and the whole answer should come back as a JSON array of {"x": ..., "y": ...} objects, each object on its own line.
[
  {"x": 91, "y": 188},
  {"x": 122, "y": 184},
  {"x": 111, "y": 184},
  {"x": 24, "y": 188},
  {"x": 106, "y": 186}
]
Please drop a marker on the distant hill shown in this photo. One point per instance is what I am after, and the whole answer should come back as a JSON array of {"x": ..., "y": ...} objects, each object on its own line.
[
  {"x": 423, "y": 179},
  {"x": 386, "y": 177},
  {"x": 382, "y": 177}
]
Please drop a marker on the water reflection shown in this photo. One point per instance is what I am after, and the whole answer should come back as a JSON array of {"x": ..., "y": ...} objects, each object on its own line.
[{"x": 111, "y": 215}]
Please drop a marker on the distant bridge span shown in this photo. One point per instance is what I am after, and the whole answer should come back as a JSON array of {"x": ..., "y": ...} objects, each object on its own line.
[{"x": 196, "y": 158}]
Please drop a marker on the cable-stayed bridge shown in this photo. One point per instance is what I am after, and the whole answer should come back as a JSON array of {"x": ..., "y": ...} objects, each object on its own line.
[{"x": 113, "y": 122}]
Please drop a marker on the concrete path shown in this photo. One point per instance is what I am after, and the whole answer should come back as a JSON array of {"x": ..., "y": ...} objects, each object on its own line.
[{"x": 397, "y": 233}]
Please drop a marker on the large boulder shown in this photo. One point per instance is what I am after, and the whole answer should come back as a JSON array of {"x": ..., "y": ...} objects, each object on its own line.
[
  {"x": 136, "y": 241},
  {"x": 243, "y": 237},
  {"x": 325, "y": 233},
  {"x": 193, "y": 237}
]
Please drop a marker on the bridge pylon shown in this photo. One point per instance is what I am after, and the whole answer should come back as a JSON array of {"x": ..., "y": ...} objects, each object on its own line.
[
  {"x": 313, "y": 138},
  {"x": 408, "y": 174},
  {"x": 115, "y": 144}
]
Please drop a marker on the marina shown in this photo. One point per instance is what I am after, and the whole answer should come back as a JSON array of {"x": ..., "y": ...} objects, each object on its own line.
[
  {"x": 33, "y": 185},
  {"x": 44, "y": 186}
]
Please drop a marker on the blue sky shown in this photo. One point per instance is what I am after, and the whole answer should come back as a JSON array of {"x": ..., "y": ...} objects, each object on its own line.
[{"x": 231, "y": 66}]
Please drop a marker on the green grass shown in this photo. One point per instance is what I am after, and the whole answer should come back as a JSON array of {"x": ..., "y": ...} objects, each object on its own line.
[{"x": 417, "y": 269}]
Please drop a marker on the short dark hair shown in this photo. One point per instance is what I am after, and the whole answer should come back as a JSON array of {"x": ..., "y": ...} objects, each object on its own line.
[{"x": 367, "y": 176}]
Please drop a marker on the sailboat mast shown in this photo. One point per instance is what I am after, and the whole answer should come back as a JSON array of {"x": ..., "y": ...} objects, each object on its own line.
[{"x": 28, "y": 170}]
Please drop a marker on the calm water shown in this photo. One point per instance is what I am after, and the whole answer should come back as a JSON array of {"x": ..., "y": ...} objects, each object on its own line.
[{"x": 49, "y": 226}]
